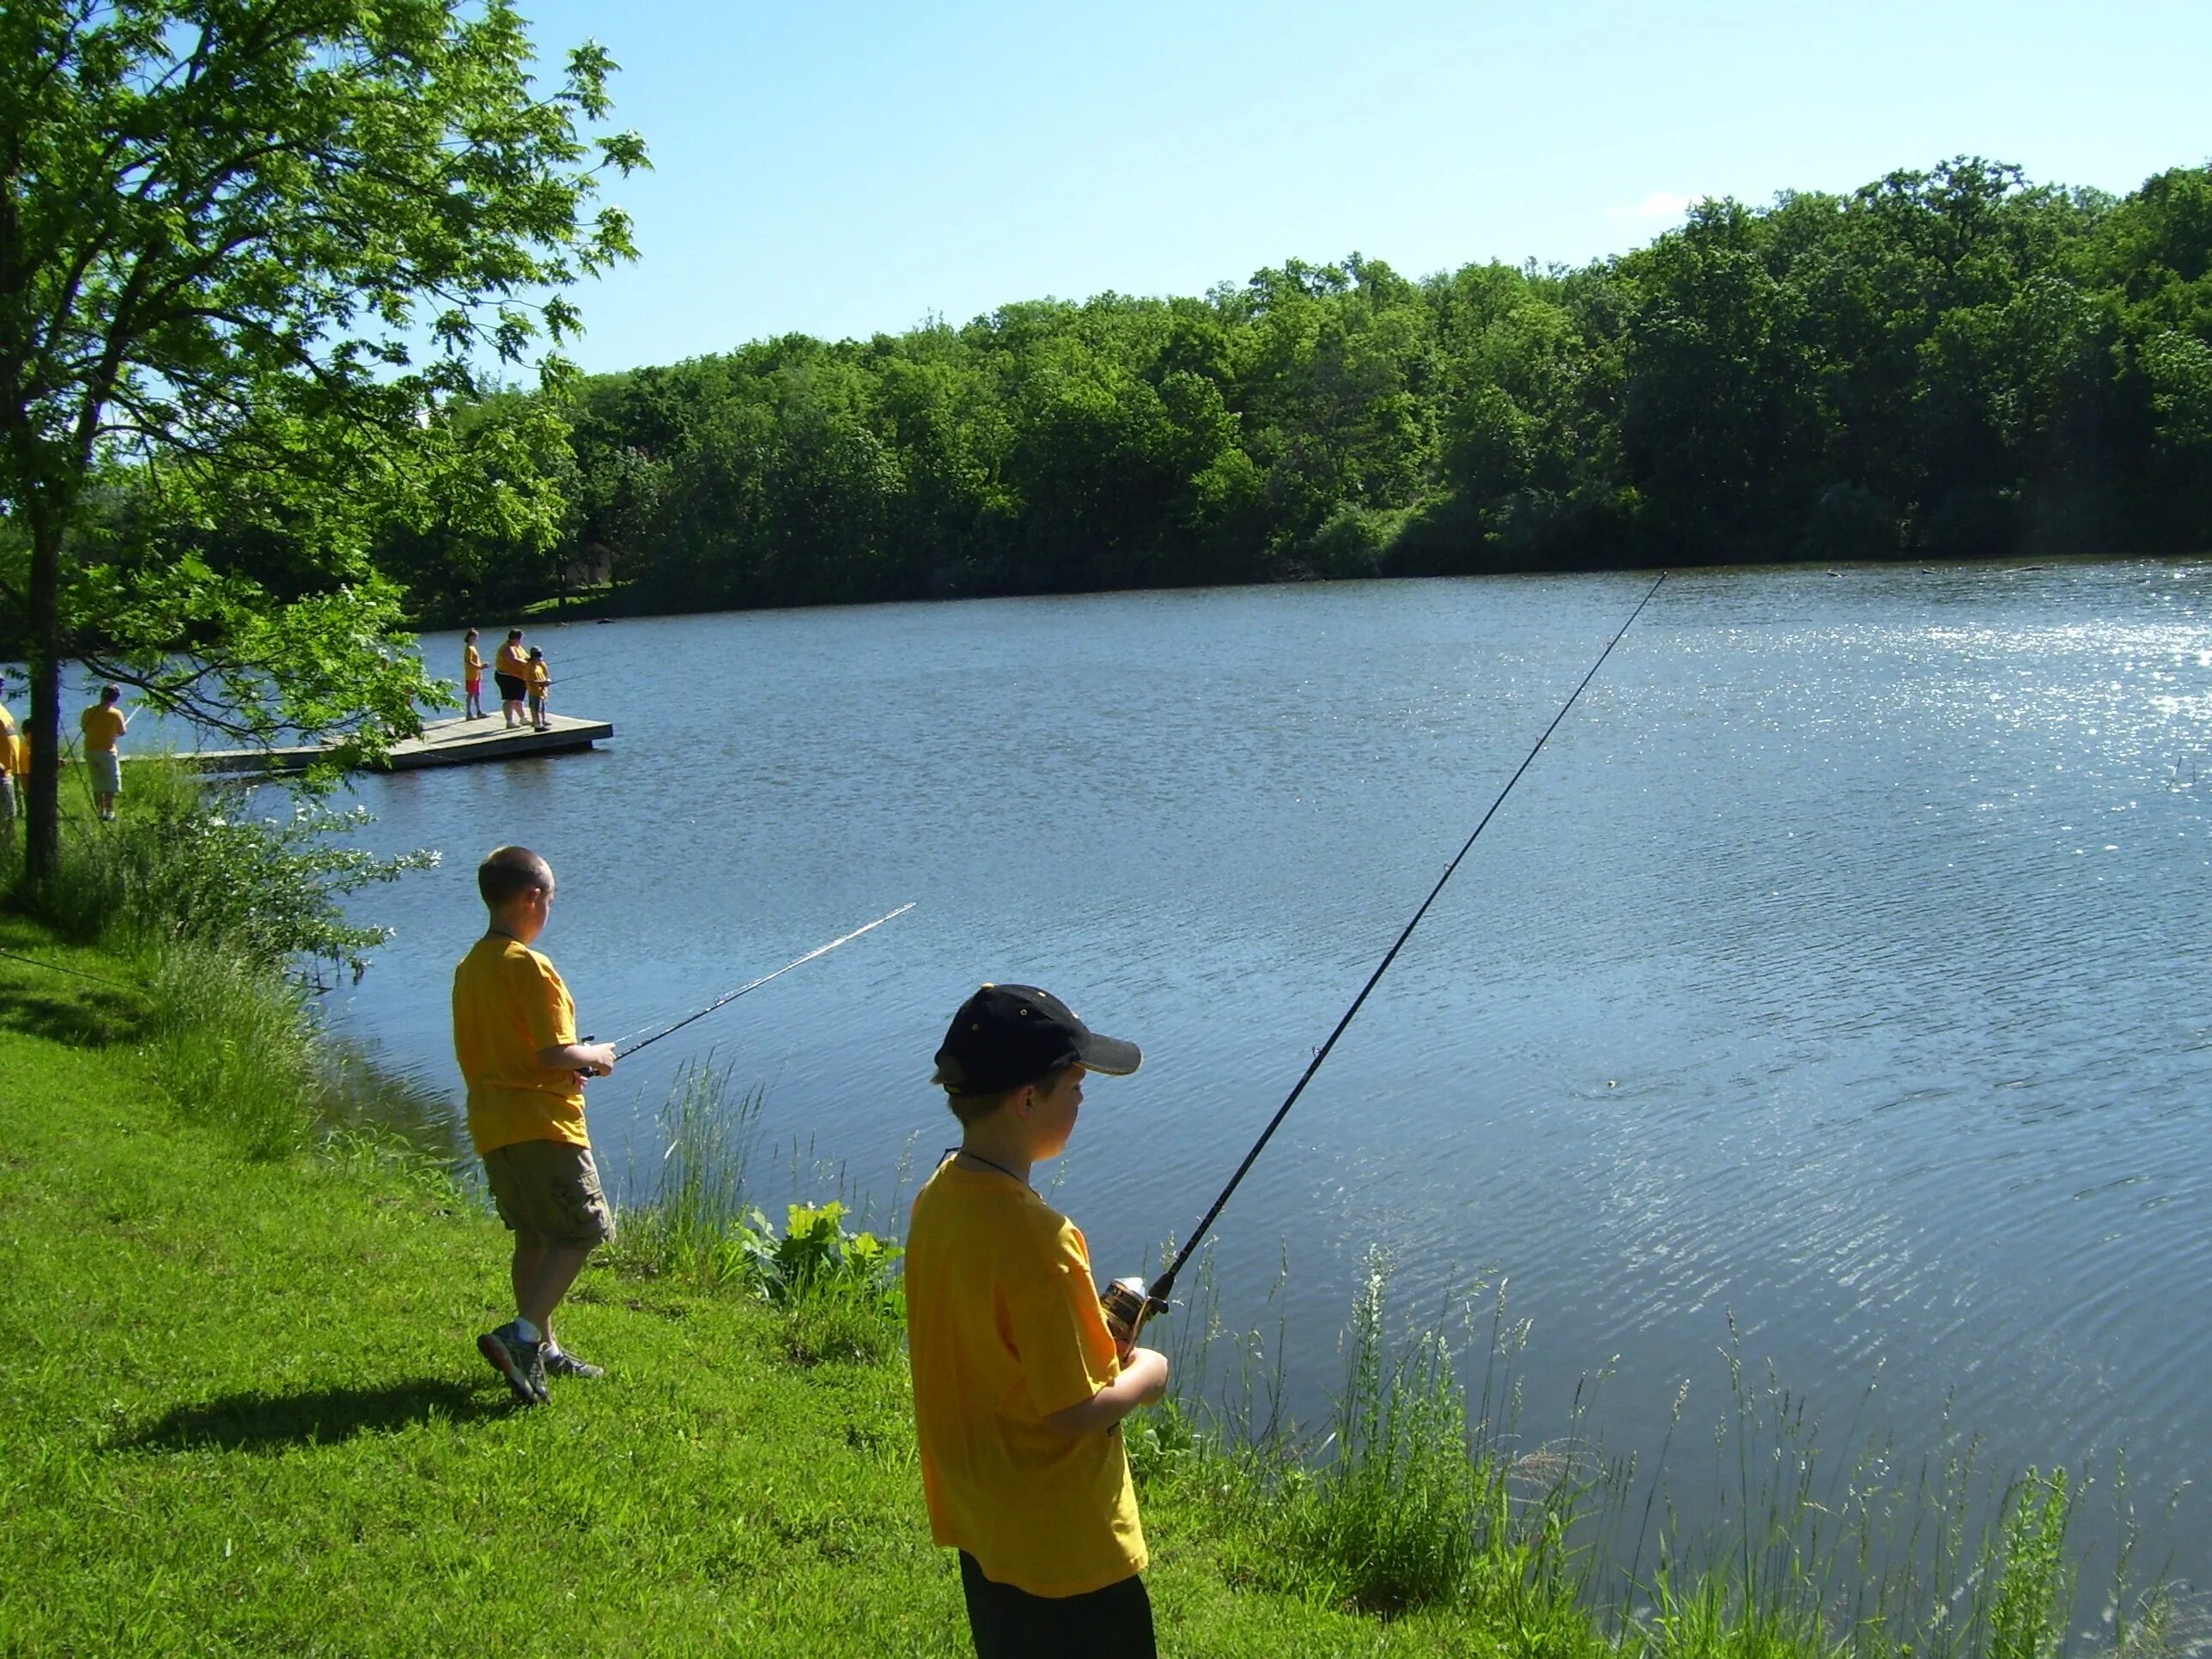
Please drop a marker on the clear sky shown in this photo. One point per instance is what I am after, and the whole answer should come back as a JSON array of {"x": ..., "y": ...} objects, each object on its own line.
[{"x": 848, "y": 168}]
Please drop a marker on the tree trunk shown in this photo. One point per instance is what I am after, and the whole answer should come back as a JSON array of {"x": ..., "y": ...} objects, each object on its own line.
[{"x": 42, "y": 845}]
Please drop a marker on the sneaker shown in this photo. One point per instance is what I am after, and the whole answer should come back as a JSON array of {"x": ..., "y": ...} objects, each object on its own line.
[
  {"x": 559, "y": 1362},
  {"x": 522, "y": 1363}
]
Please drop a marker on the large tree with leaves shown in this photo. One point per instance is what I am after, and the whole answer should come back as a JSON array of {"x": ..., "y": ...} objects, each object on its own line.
[{"x": 249, "y": 252}]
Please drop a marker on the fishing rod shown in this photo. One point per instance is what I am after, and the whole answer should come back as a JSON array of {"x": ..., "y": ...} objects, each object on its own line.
[
  {"x": 1128, "y": 1302},
  {"x": 728, "y": 997}
]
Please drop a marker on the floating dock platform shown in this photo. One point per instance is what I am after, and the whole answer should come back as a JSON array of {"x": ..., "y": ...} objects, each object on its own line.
[{"x": 443, "y": 742}]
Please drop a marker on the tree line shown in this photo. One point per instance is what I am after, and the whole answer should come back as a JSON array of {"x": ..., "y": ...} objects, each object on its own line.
[{"x": 1950, "y": 363}]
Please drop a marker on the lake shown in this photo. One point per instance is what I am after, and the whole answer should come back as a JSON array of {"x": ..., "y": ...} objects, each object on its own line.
[{"x": 1836, "y": 975}]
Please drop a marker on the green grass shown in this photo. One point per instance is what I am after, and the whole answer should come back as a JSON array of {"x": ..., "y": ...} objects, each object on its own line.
[{"x": 246, "y": 1416}]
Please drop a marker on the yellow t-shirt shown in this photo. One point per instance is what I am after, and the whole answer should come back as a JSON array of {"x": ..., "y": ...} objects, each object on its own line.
[
  {"x": 508, "y": 1004},
  {"x": 10, "y": 760},
  {"x": 1003, "y": 1329},
  {"x": 540, "y": 676},
  {"x": 102, "y": 724},
  {"x": 511, "y": 662},
  {"x": 471, "y": 664}
]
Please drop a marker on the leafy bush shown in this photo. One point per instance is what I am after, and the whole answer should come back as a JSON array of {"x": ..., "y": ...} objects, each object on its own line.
[
  {"x": 840, "y": 1291},
  {"x": 183, "y": 862}
]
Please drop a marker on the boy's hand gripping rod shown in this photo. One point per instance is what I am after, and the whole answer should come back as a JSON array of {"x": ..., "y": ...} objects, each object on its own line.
[
  {"x": 628, "y": 1048},
  {"x": 1126, "y": 1302}
]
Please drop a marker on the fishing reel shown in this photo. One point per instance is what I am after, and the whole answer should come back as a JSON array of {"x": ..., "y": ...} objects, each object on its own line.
[{"x": 1128, "y": 1304}]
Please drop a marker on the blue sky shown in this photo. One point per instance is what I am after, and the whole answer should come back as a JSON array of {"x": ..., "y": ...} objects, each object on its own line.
[{"x": 843, "y": 169}]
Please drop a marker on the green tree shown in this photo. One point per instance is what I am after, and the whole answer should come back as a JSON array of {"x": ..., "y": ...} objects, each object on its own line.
[{"x": 228, "y": 230}]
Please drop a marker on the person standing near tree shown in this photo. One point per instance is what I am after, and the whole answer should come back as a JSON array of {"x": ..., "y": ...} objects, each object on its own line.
[
  {"x": 11, "y": 746},
  {"x": 510, "y": 668},
  {"x": 103, "y": 725},
  {"x": 473, "y": 675}
]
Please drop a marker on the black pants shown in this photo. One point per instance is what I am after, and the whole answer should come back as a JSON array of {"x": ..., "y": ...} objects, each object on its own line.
[{"x": 1114, "y": 1623}]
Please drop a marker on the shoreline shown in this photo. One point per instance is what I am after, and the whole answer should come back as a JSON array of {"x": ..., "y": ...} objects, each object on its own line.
[{"x": 275, "y": 1420}]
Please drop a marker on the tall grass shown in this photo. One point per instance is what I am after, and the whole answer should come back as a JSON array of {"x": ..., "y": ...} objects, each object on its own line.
[
  {"x": 217, "y": 914},
  {"x": 836, "y": 1288},
  {"x": 1419, "y": 1496},
  {"x": 690, "y": 1226}
]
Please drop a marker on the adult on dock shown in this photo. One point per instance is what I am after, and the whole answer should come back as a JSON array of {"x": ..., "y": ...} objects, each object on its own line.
[
  {"x": 103, "y": 725},
  {"x": 511, "y": 670}
]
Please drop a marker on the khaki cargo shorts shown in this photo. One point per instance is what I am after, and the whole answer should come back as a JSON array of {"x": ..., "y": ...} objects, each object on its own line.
[{"x": 547, "y": 1193}]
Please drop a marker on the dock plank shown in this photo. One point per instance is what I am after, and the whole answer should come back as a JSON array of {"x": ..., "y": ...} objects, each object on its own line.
[{"x": 443, "y": 742}]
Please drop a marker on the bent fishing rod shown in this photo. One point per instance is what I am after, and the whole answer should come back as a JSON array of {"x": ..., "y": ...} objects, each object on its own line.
[
  {"x": 1128, "y": 1302},
  {"x": 628, "y": 1048}
]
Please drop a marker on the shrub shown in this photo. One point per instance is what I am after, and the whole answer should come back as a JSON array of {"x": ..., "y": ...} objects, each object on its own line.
[{"x": 186, "y": 862}]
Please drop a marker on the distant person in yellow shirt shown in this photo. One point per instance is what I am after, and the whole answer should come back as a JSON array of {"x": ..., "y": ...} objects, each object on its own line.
[
  {"x": 103, "y": 724},
  {"x": 1019, "y": 1389},
  {"x": 515, "y": 1033},
  {"x": 12, "y": 744},
  {"x": 540, "y": 680},
  {"x": 510, "y": 671},
  {"x": 473, "y": 675}
]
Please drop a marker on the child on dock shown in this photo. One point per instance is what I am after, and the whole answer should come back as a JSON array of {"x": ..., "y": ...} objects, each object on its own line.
[
  {"x": 514, "y": 1033},
  {"x": 1018, "y": 1390},
  {"x": 473, "y": 675},
  {"x": 540, "y": 679}
]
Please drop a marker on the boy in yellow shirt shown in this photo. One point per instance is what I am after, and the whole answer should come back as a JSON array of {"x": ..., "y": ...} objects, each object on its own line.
[
  {"x": 11, "y": 741},
  {"x": 514, "y": 1033},
  {"x": 1019, "y": 1389},
  {"x": 541, "y": 683},
  {"x": 102, "y": 724},
  {"x": 472, "y": 676}
]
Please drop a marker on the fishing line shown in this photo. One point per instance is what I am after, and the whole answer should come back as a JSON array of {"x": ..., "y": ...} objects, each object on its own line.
[
  {"x": 73, "y": 973},
  {"x": 1128, "y": 1302},
  {"x": 728, "y": 997}
]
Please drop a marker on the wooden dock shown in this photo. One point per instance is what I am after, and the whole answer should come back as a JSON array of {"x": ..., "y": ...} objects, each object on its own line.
[{"x": 443, "y": 742}]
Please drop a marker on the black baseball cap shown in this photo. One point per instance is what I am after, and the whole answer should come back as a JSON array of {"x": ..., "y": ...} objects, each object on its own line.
[{"x": 1005, "y": 1036}]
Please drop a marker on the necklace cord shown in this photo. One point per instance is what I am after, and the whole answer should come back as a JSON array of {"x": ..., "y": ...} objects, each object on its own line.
[{"x": 1165, "y": 1284}]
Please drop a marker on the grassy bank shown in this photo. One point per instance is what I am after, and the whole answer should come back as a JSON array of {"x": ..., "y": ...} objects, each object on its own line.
[{"x": 247, "y": 1415}]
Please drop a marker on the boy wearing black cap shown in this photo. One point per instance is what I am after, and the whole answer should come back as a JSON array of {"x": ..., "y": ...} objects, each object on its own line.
[{"x": 1018, "y": 1388}]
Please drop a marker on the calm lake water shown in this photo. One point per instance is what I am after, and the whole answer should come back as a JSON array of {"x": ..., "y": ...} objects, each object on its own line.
[{"x": 1838, "y": 973}]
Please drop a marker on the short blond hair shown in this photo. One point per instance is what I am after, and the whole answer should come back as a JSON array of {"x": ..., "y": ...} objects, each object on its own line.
[{"x": 974, "y": 1108}]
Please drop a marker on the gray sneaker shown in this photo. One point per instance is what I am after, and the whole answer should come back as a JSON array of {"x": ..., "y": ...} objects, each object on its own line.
[
  {"x": 522, "y": 1363},
  {"x": 559, "y": 1362}
]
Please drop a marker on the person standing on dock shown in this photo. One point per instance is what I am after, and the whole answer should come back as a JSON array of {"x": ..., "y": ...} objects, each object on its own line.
[
  {"x": 473, "y": 675},
  {"x": 510, "y": 669},
  {"x": 103, "y": 725},
  {"x": 541, "y": 683},
  {"x": 515, "y": 1033}
]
